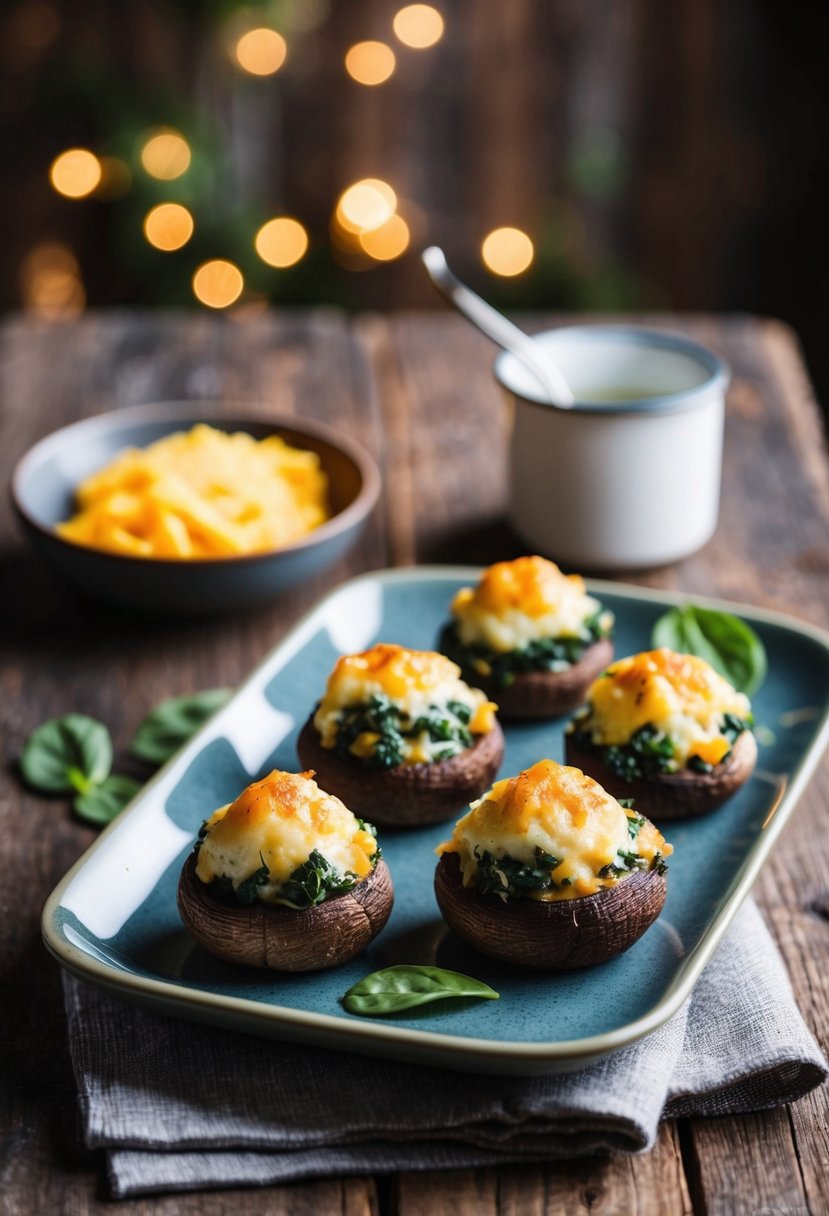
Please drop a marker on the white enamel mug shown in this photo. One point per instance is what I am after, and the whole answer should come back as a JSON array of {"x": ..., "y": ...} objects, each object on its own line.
[{"x": 630, "y": 476}]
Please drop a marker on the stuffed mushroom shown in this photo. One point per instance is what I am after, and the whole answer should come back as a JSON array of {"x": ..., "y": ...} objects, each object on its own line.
[
  {"x": 401, "y": 738},
  {"x": 530, "y": 637},
  {"x": 667, "y": 730},
  {"x": 285, "y": 877},
  {"x": 547, "y": 870}
]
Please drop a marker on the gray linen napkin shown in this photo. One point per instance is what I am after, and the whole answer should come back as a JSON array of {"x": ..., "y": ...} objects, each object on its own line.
[{"x": 185, "y": 1107}]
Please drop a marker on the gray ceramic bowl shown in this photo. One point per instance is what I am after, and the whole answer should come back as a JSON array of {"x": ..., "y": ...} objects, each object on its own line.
[{"x": 44, "y": 482}]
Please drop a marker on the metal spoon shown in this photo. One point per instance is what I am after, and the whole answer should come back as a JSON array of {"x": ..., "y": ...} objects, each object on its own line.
[{"x": 496, "y": 327}]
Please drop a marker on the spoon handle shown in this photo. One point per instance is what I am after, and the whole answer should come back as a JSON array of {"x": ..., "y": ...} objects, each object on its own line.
[{"x": 497, "y": 327}]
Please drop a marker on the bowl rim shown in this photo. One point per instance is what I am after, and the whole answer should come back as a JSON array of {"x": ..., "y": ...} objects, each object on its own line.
[{"x": 190, "y": 412}]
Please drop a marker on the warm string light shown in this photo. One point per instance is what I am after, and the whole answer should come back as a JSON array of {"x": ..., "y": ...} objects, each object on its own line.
[
  {"x": 261, "y": 51},
  {"x": 75, "y": 173},
  {"x": 370, "y": 63},
  {"x": 365, "y": 205},
  {"x": 218, "y": 283},
  {"x": 507, "y": 251},
  {"x": 366, "y": 224},
  {"x": 168, "y": 226},
  {"x": 281, "y": 242},
  {"x": 166, "y": 155},
  {"x": 418, "y": 26}
]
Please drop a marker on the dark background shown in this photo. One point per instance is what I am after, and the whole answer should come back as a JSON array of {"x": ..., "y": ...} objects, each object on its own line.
[{"x": 667, "y": 154}]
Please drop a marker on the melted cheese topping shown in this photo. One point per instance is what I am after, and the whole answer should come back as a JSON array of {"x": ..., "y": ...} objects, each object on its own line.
[
  {"x": 278, "y": 822},
  {"x": 414, "y": 680},
  {"x": 680, "y": 694},
  {"x": 521, "y": 601},
  {"x": 561, "y": 811}
]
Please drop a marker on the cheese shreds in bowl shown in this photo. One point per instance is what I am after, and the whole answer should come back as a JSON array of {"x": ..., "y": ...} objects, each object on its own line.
[{"x": 200, "y": 494}]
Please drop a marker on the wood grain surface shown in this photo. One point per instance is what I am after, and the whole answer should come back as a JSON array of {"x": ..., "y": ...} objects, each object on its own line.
[{"x": 417, "y": 390}]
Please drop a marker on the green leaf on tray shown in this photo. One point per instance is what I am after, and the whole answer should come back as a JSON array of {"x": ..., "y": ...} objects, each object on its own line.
[
  {"x": 68, "y": 754},
  {"x": 397, "y": 988},
  {"x": 102, "y": 803},
  {"x": 168, "y": 727},
  {"x": 723, "y": 640}
]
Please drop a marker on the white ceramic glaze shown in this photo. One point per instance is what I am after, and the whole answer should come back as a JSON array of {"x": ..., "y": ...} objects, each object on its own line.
[{"x": 630, "y": 477}]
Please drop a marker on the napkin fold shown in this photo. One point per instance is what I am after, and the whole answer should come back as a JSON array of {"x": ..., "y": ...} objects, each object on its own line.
[{"x": 183, "y": 1107}]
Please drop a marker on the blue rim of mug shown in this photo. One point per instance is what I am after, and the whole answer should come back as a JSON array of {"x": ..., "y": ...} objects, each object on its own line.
[{"x": 719, "y": 373}]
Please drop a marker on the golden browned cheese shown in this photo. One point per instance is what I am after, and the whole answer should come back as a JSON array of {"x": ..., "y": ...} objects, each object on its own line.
[
  {"x": 680, "y": 694},
  {"x": 413, "y": 679},
  {"x": 561, "y": 811},
  {"x": 278, "y": 822},
  {"x": 201, "y": 493}
]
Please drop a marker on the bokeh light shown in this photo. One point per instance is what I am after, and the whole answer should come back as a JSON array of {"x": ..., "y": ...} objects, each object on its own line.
[
  {"x": 507, "y": 251},
  {"x": 387, "y": 242},
  {"x": 261, "y": 51},
  {"x": 418, "y": 26},
  {"x": 168, "y": 226},
  {"x": 51, "y": 284},
  {"x": 166, "y": 155},
  {"x": 370, "y": 63},
  {"x": 75, "y": 173},
  {"x": 218, "y": 283},
  {"x": 281, "y": 242},
  {"x": 365, "y": 205}
]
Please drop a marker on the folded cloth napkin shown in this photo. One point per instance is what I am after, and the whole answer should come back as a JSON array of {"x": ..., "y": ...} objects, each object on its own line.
[{"x": 185, "y": 1107}]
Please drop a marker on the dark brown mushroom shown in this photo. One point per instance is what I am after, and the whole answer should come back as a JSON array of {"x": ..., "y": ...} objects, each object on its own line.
[
  {"x": 555, "y": 935},
  {"x": 286, "y": 939},
  {"x": 407, "y": 795},
  {"x": 546, "y": 694},
  {"x": 681, "y": 795}
]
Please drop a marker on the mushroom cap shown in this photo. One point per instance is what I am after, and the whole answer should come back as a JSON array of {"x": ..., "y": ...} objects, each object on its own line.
[
  {"x": 554, "y": 935},
  {"x": 281, "y": 938},
  {"x": 407, "y": 795},
  {"x": 681, "y": 795}
]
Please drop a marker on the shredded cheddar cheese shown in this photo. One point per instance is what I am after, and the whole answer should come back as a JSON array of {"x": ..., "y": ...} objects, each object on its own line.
[
  {"x": 521, "y": 601},
  {"x": 278, "y": 822},
  {"x": 415, "y": 681},
  {"x": 203, "y": 493},
  {"x": 680, "y": 694},
  {"x": 562, "y": 812}
]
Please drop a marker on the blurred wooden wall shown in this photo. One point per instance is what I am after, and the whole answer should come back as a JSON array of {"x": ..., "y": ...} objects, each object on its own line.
[{"x": 680, "y": 147}]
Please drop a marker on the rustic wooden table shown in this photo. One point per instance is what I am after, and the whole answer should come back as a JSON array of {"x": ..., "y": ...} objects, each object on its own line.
[{"x": 417, "y": 390}]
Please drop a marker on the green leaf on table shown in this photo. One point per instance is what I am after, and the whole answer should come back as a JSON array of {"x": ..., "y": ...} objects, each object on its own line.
[
  {"x": 168, "y": 727},
  {"x": 72, "y": 753},
  {"x": 723, "y": 640},
  {"x": 403, "y": 987},
  {"x": 102, "y": 803}
]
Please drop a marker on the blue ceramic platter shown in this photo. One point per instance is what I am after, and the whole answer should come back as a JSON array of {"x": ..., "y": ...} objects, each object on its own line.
[{"x": 113, "y": 919}]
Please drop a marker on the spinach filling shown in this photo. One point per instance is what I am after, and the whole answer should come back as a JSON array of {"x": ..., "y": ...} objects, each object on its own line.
[
  {"x": 507, "y": 877},
  {"x": 308, "y": 885},
  {"x": 446, "y": 726},
  {"x": 542, "y": 654},
  {"x": 650, "y": 752}
]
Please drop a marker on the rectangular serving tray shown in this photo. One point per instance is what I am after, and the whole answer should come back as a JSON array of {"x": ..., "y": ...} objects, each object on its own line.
[{"x": 113, "y": 920}]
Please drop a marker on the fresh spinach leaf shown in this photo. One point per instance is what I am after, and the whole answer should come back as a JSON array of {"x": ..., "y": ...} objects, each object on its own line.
[
  {"x": 102, "y": 803},
  {"x": 396, "y": 988},
  {"x": 723, "y": 640},
  {"x": 168, "y": 727},
  {"x": 541, "y": 654},
  {"x": 505, "y": 876},
  {"x": 68, "y": 754}
]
